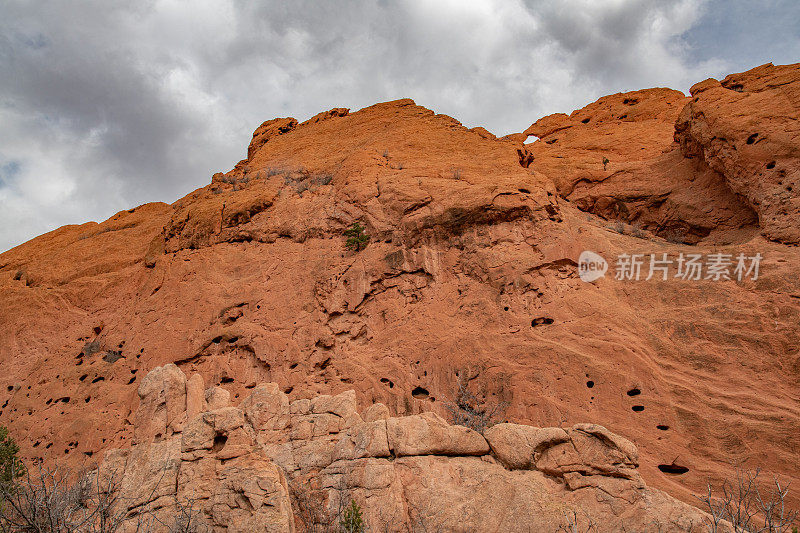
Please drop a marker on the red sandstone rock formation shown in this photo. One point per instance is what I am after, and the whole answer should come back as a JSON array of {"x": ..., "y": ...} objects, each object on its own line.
[{"x": 470, "y": 268}]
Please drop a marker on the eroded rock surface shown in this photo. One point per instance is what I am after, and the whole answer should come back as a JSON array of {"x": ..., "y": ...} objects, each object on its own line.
[
  {"x": 747, "y": 129},
  {"x": 275, "y": 465}
]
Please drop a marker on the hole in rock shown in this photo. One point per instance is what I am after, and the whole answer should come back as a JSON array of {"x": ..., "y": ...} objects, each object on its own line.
[
  {"x": 673, "y": 469},
  {"x": 388, "y": 382},
  {"x": 638, "y": 408},
  {"x": 752, "y": 138},
  {"x": 621, "y": 117},
  {"x": 505, "y": 308},
  {"x": 131, "y": 380},
  {"x": 420, "y": 393},
  {"x": 771, "y": 165},
  {"x": 630, "y": 101},
  {"x": 293, "y": 366},
  {"x": 585, "y": 121},
  {"x": 98, "y": 378},
  {"x": 288, "y": 390},
  {"x": 524, "y": 191},
  {"x": 541, "y": 320},
  {"x": 226, "y": 379},
  {"x": 662, "y": 427},
  {"x": 634, "y": 392},
  {"x": 219, "y": 443},
  {"x": 590, "y": 383},
  {"x": 87, "y": 399},
  {"x": 97, "y": 330}
]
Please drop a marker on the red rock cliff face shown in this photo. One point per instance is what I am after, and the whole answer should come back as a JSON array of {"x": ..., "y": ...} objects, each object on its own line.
[{"x": 470, "y": 267}]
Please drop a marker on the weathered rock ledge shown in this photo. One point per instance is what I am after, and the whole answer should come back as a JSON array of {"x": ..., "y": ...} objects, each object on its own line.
[{"x": 269, "y": 464}]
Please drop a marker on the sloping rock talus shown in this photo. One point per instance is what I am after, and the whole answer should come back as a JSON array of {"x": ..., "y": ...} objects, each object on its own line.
[
  {"x": 470, "y": 275},
  {"x": 271, "y": 464}
]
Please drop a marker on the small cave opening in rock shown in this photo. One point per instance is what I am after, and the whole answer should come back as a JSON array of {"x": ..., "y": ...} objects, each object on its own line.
[
  {"x": 770, "y": 165},
  {"x": 752, "y": 138},
  {"x": 541, "y": 321},
  {"x": 226, "y": 379},
  {"x": 673, "y": 469},
  {"x": 288, "y": 390},
  {"x": 585, "y": 121},
  {"x": 219, "y": 443},
  {"x": 662, "y": 427},
  {"x": 524, "y": 191},
  {"x": 634, "y": 392},
  {"x": 420, "y": 393},
  {"x": 590, "y": 383},
  {"x": 638, "y": 408},
  {"x": 387, "y": 381}
]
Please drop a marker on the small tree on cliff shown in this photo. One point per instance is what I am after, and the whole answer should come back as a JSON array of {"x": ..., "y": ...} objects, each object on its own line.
[
  {"x": 352, "y": 519},
  {"x": 11, "y": 468},
  {"x": 468, "y": 409},
  {"x": 356, "y": 238}
]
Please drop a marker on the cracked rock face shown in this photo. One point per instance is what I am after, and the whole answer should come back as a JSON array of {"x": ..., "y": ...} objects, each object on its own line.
[
  {"x": 470, "y": 270},
  {"x": 277, "y": 465}
]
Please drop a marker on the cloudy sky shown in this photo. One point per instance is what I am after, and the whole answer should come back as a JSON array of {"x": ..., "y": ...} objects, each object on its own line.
[{"x": 108, "y": 104}]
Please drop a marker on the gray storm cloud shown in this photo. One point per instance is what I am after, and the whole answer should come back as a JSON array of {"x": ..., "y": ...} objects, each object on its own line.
[{"x": 106, "y": 105}]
